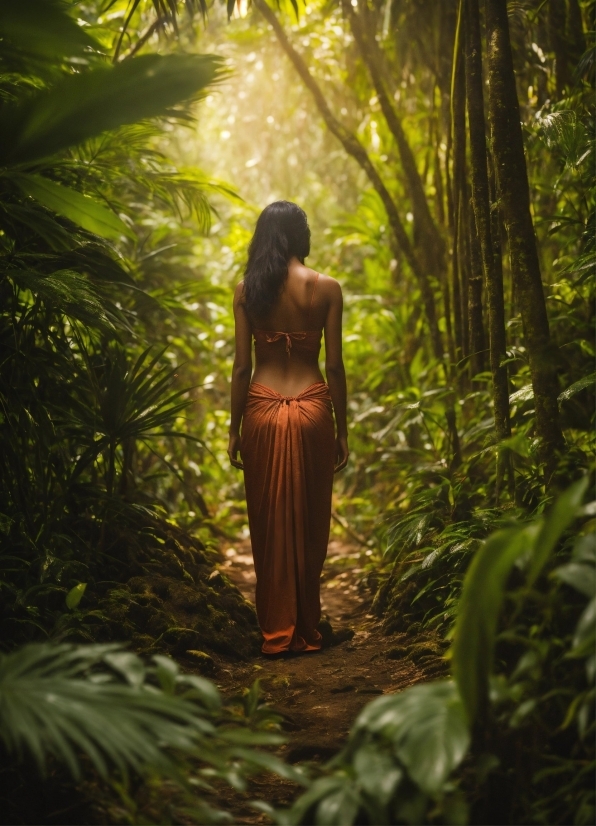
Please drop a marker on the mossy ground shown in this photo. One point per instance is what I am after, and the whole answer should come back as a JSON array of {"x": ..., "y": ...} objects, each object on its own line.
[{"x": 176, "y": 602}]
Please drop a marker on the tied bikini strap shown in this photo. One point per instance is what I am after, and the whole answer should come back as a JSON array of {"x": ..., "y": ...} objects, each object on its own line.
[
  {"x": 276, "y": 336},
  {"x": 270, "y": 338}
]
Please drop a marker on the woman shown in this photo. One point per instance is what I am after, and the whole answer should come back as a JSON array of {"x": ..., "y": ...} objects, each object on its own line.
[{"x": 288, "y": 445}]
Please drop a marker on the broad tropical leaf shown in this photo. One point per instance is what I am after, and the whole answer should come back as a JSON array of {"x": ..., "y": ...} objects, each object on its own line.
[
  {"x": 75, "y": 595},
  {"x": 484, "y": 586},
  {"x": 40, "y": 31},
  {"x": 80, "y": 106},
  {"x": 427, "y": 728},
  {"x": 577, "y": 386},
  {"x": 580, "y": 572},
  {"x": 79, "y": 208},
  {"x": 559, "y": 518}
]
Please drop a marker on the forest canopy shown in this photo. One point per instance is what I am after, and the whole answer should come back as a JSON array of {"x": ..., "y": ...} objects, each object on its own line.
[{"x": 444, "y": 153}]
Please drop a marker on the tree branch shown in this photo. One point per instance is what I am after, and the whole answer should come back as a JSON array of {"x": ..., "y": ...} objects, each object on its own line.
[
  {"x": 357, "y": 151},
  {"x": 149, "y": 32},
  {"x": 434, "y": 246}
]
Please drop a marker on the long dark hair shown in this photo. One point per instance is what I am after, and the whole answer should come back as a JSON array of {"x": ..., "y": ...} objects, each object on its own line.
[{"x": 281, "y": 232}]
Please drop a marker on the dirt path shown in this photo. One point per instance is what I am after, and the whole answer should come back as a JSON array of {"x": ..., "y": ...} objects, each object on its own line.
[{"x": 319, "y": 694}]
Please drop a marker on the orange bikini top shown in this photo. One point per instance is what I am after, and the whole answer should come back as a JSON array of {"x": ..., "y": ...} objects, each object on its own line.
[{"x": 309, "y": 340}]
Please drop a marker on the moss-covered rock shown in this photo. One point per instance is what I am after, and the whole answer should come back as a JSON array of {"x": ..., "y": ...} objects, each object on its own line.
[
  {"x": 177, "y": 602},
  {"x": 333, "y": 636},
  {"x": 203, "y": 661},
  {"x": 398, "y": 652}
]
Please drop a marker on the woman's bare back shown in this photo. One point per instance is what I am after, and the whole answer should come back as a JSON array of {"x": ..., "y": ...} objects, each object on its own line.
[
  {"x": 287, "y": 349},
  {"x": 289, "y": 363}
]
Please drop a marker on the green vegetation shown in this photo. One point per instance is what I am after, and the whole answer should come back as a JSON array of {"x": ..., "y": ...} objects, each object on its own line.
[
  {"x": 469, "y": 349},
  {"x": 439, "y": 751},
  {"x": 103, "y": 702}
]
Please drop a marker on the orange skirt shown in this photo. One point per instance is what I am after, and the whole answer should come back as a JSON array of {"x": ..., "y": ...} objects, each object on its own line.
[{"x": 288, "y": 452}]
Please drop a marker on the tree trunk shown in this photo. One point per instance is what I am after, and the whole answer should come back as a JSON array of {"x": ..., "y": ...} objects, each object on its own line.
[
  {"x": 514, "y": 197},
  {"x": 557, "y": 14},
  {"x": 481, "y": 201},
  {"x": 464, "y": 265},
  {"x": 458, "y": 131},
  {"x": 477, "y": 339},
  {"x": 438, "y": 184},
  {"x": 575, "y": 31}
]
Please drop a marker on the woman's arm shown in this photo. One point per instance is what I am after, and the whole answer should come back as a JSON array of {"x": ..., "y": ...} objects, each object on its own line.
[
  {"x": 335, "y": 371},
  {"x": 241, "y": 373}
]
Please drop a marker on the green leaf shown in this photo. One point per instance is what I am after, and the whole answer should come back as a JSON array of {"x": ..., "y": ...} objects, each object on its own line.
[
  {"x": 479, "y": 607},
  {"x": 483, "y": 588},
  {"x": 585, "y": 633},
  {"x": 80, "y": 209},
  {"x": 519, "y": 444},
  {"x": 271, "y": 763},
  {"x": 246, "y": 737},
  {"x": 167, "y": 672},
  {"x": 427, "y": 727},
  {"x": 321, "y": 788},
  {"x": 561, "y": 515},
  {"x": 129, "y": 665},
  {"x": 42, "y": 30},
  {"x": 338, "y": 808},
  {"x": 584, "y": 549},
  {"x": 576, "y": 387},
  {"x": 525, "y": 394},
  {"x": 51, "y": 702},
  {"x": 66, "y": 292},
  {"x": 377, "y": 773},
  {"x": 75, "y": 595},
  {"x": 578, "y": 576},
  {"x": 202, "y": 689},
  {"x": 83, "y": 105}
]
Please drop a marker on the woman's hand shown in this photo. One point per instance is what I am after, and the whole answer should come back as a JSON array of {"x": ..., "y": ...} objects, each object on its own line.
[
  {"x": 233, "y": 450},
  {"x": 342, "y": 453}
]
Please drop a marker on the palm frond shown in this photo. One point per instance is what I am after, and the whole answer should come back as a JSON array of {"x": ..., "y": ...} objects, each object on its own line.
[
  {"x": 67, "y": 292},
  {"x": 81, "y": 106},
  {"x": 38, "y": 34},
  {"x": 65, "y": 700}
]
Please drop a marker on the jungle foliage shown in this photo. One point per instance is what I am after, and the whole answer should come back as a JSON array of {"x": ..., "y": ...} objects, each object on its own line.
[
  {"x": 465, "y": 248},
  {"x": 89, "y": 399},
  {"x": 101, "y": 707},
  {"x": 509, "y": 738}
]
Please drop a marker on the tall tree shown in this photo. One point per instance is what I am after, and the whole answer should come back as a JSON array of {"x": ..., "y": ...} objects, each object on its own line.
[
  {"x": 557, "y": 36},
  {"x": 493, "y": 276},
  {"x": 514, "y": 198},
  {"x": 475, "y": 292},
  {"x": 458, "y": 133}
]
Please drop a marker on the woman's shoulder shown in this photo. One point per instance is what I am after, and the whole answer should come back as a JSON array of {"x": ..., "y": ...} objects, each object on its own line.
[{"x": 328, "y": 285}]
